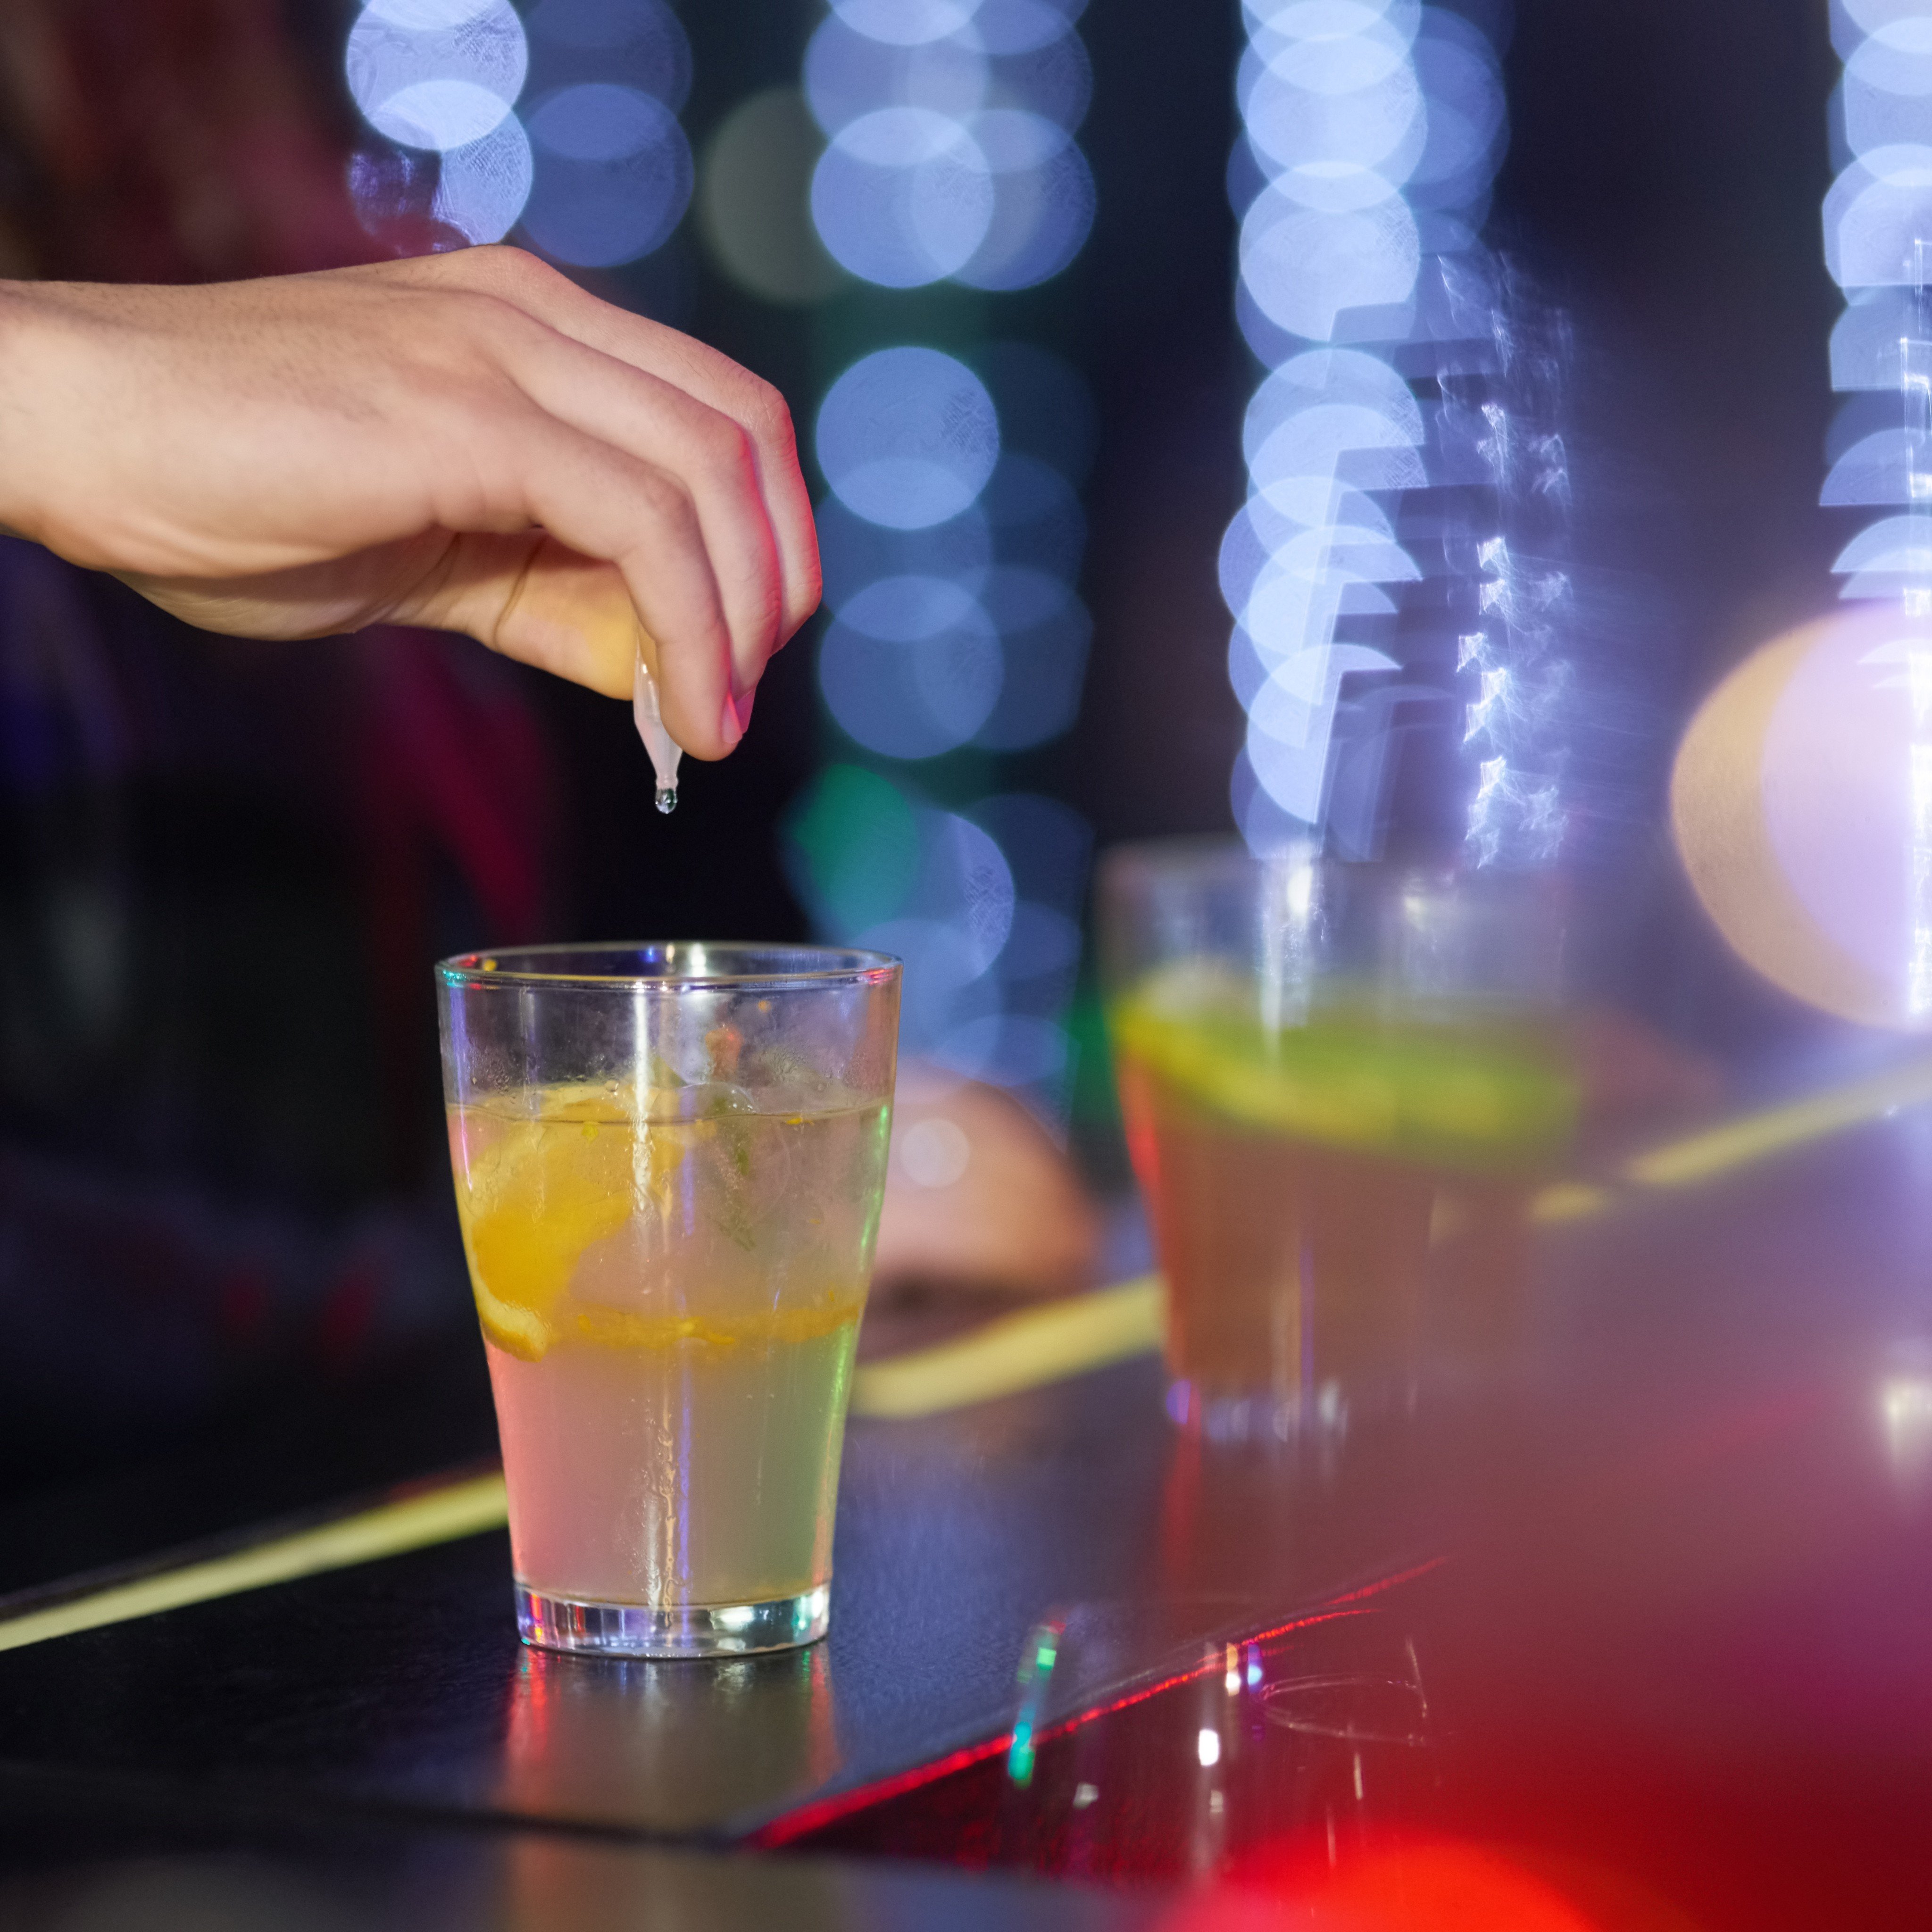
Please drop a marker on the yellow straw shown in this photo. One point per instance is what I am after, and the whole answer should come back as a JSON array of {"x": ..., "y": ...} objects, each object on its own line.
[
  {"x": 1753, "y": 1136},
  {"x": 464, "y": 1507},
  {"x": 1018, "y": 1352}
]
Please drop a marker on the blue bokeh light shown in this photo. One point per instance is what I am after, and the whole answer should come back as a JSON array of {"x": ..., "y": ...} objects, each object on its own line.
[
  {"x": 908, "y": 437},
  {"x": 950, "y": 551},
  {"x": 614, "y": 174},
  {"x": 847, "y": 75},
  {"x": 950, "y": 150},
  {"x": 854, "y": 552},
  {"x": 637, "y": 43},
  {"x": 905, "y": 22},
  {"x": 911, "y": 667},
  {"x": 902, "y": 196},
  {"x": 1043, "y": 201}
]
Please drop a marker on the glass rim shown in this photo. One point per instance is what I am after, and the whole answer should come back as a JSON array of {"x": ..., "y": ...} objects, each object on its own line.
[
  {"x": 809, "y": 966},
  {"x": 1202, "y": 853}
]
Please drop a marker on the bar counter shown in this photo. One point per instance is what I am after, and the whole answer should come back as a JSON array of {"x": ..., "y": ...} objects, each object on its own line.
[{"x": 1669, "y": 1588}]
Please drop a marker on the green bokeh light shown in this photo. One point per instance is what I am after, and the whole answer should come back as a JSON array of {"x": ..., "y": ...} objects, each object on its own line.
[{"x": 853, "y": 836}]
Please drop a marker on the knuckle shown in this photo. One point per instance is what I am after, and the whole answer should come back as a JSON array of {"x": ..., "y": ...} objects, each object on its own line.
[
  {"x": 503, "y": 266},
  {"x": 666, "y": 499},
  {"x": 767, "y": 413},
  {"x": 725, "y": 448}
]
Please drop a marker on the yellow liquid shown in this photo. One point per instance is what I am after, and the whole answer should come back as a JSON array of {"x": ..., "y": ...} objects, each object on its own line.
[
  {"x": 671, "y": 1302},
  {"x": 1297, "y": 1179}
]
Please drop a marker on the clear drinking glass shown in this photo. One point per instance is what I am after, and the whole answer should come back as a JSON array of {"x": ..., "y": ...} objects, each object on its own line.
[
  {"x": 669, "y": 1163},
  {"x": 1326, "y": 1069}
]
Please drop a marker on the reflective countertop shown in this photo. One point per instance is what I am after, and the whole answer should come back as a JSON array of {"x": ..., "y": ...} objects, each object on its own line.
[{"x": 1679, "y": 1614}]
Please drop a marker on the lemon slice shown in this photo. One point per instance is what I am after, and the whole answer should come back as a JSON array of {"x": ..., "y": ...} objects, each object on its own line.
[
  {"x": 539, "y": 1192},
  {"x": 518, "y": 1331}
]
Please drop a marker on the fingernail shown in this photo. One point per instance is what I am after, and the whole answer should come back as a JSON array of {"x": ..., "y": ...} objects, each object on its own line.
[{"x": 729, "y": 727}]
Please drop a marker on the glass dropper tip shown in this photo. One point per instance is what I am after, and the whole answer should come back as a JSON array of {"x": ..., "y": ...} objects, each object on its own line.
[{"x": 665, "y": 755}]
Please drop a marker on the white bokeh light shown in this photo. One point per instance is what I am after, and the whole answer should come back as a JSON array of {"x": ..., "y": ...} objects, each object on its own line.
[
  {"x": 1371, "y": 131},
  {"x": 481, "y": 188},
  {"x": 1878, "y": 246},
  {"x": 1304, "y": 268},
  {"x": 1877, "y": 216},
  {"x": 437, "y": 76}
]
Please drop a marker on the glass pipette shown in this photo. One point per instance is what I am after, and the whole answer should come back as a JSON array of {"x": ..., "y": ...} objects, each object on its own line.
[{"x": 665, "y": 753}]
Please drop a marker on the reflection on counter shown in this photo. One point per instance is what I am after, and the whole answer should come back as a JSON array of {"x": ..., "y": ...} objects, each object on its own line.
[{"x": 682, "y": 1743}]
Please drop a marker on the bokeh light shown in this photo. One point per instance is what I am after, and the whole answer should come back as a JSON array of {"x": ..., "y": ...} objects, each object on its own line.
[
  {"x": 854, "y": 552},
  {"x": 1801, "y": 802},
  {"x": 848, "y": 74},
  {"x": 481, "y": 188},
  {"x": 1371, "y": 132},
  {"x": 1046, "y": 630},
  {"x": 953, "y": 534},
  {"x": 1802, "y": 795},
  {"x": 436, "y": 76},
  {"x": 1042, "y": 200},
  {"x": 755, "y": 203},
  {"x": 903, "y": 197},
  {"x": 905, "y": 22},
  {"x": 1878, "y": 246},
  {"x": 908, "y": 437},
  {"x": 614, "y": 174},
  {"x": 950, "y": 150},
  {"x": 911, "y": 667},
  {"x": 597, "y": 168},
  {"x": 636, "y": 43}
]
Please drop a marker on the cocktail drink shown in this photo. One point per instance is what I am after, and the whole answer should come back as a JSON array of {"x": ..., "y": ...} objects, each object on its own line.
[
  {"x": 669, "y": 1165},
  {"x": 1339, "y": 1086}
]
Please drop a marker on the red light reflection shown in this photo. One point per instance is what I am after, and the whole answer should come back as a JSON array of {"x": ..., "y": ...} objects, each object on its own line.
[{"x": 1411, "y": 1885}]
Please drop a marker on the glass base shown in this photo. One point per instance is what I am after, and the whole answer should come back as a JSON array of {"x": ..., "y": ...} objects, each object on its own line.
[
  {"x": 688, "y": 1629},
  {"x": 1264, "y": 1416}
]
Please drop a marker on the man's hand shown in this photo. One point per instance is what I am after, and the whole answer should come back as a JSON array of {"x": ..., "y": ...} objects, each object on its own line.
[{"x": 467, "y": 441}]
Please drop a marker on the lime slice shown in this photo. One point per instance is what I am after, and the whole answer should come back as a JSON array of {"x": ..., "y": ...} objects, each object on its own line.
[{"x": 1483, "y": 1093}]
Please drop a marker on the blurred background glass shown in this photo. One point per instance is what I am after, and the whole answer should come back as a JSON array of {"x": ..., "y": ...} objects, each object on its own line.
[{"x": 1342, "y": 1083}]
